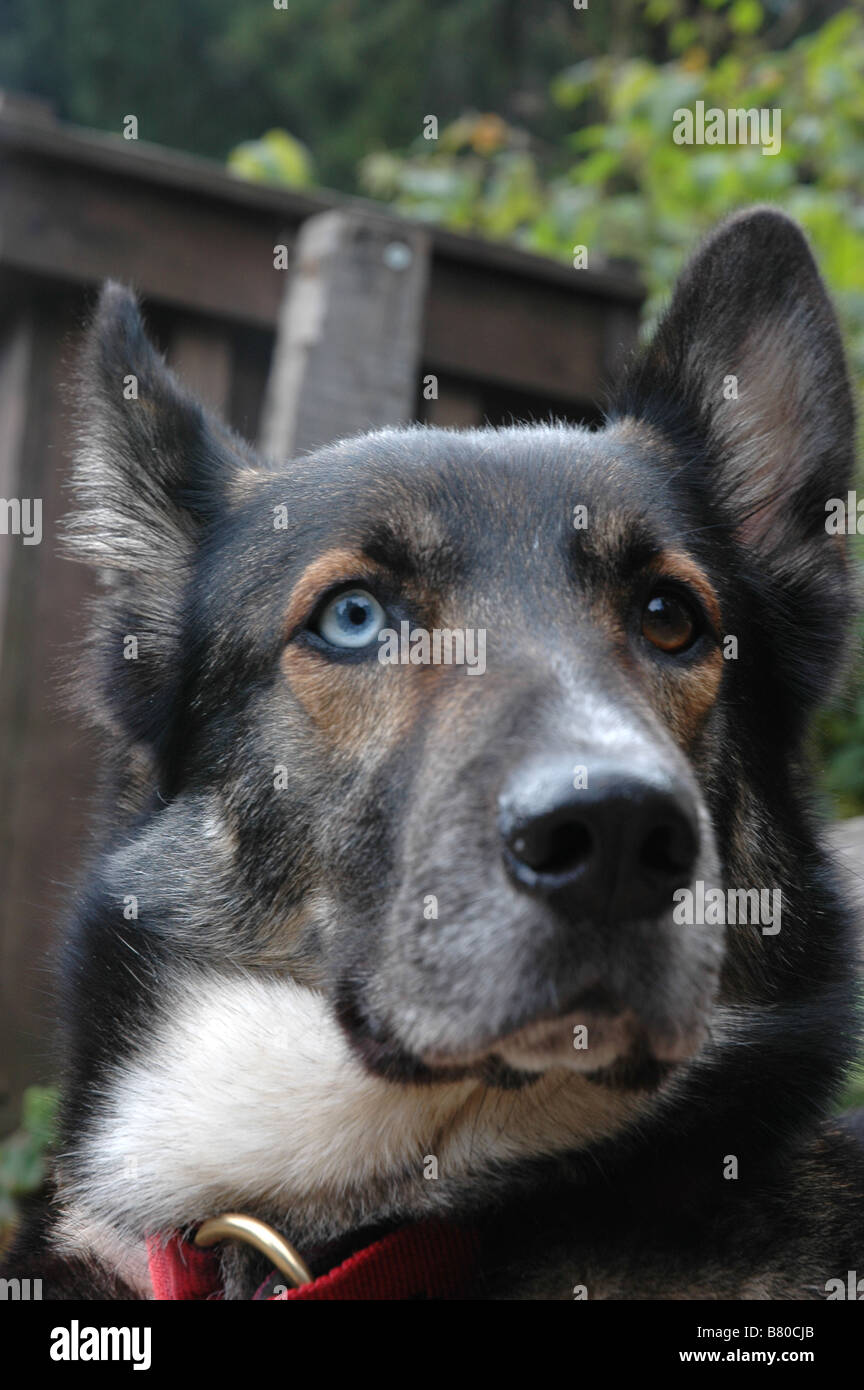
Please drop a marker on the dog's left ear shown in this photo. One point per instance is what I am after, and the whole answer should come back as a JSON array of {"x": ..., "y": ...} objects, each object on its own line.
[{"x": 748, "y": 361}]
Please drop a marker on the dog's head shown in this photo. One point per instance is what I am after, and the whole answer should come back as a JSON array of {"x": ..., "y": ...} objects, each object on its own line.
[{"x": 439, "y": 723}]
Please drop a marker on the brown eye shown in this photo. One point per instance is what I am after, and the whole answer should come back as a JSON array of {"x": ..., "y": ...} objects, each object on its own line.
[{"x": 669, "y": 623}]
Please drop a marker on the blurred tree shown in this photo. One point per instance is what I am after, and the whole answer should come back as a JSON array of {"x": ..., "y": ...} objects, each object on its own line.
[
  {"x": 344, "y": 76},
  {"x": 622, "y": 186}
]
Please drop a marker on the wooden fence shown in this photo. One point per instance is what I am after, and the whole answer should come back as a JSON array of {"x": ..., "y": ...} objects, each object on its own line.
[{"x": 299, "y": 317}]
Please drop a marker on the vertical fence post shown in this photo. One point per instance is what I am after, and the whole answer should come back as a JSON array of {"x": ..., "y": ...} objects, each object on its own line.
[{"x": 350, "y": 328}]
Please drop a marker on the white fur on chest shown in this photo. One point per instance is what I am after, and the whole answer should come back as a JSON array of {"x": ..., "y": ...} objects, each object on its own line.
[{"x": 248, "y": 1095}]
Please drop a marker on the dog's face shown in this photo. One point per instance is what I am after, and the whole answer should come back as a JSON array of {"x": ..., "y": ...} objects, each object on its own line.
[
  {"x": 474, "y": 860},
  {"x": 490, "y": 854},
  {"x": 492, "y": 846}
]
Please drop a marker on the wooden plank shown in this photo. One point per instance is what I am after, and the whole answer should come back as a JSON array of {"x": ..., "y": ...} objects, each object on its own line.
[
  {"x": 253, "y": 353},
  {"x": 81, "y": 206},
  {"x": 100, "y": 152},
  {"x": 174, "y": 248},
  {"x": 45, "y": 768},
  {"x": 347, "y": 349},
  {"x": 94, "y": 152},
  {"x": 547, "y": 341},
  {"x": 540, "y": 335},
  {"x": 535, "y": 334},
  {"x": 457, "y": 406},
  {"x": 201, "y": 354}
]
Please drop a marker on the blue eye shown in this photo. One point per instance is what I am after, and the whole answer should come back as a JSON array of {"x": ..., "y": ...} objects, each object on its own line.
[{"x": 351, "y": 620}]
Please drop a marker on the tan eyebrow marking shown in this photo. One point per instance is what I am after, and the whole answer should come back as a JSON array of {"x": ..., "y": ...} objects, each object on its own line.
[
  {"x": 674, "y": 564},
  {"x": 325, "y": 571},
  {"x": 684, "y": 699}
]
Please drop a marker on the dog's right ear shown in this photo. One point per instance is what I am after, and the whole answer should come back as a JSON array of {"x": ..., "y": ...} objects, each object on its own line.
[
  {"x": 746, "y": 377},
  {"x": 152, "y": 465},
  {"x": 748, "y": 358},
  {"x": 153, "y": 470}
]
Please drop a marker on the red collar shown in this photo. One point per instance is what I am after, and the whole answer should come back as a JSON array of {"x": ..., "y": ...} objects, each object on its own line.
[{"x": 430, "y": 1260}]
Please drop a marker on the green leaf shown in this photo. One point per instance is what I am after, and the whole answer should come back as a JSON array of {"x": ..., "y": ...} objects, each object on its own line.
[
  {"x": 39, "y": 1108},
  {"x": 276, "y": 158},
  {"x": 746, "y": 16}
]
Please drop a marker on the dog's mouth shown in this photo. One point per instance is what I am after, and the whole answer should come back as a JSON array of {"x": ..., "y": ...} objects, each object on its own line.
[
  {"x": 616, "y": 1048},
  {"x": 606, "y": 1040}
]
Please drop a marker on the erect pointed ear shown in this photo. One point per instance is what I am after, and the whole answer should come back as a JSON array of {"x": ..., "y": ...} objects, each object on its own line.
[
  {"x": 747, "y": 365},
  {"x": 152, "y": 465},
  {"x": 152, "y": 470}
]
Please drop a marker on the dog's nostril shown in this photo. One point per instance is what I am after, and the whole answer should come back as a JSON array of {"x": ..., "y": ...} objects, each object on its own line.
[
  {"x": 554, "y": 849},
  {"x": 668, "y": 849}
]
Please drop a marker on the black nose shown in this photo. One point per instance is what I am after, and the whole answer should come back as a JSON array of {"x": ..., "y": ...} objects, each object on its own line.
[{"x": 616, "y": 847}]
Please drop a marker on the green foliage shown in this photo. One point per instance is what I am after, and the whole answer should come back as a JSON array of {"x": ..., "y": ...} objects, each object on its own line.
[
  {"x": 345, "y": 76},
  {"x": 852, "y": 1097},
  {"x": 627, "y": 191},
  {"x": 22, "y": 1154},
  {"x": 276, "y": 158},
  {"x": 839, "y": 742}
]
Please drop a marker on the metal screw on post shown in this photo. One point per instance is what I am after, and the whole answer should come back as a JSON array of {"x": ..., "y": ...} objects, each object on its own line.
[{"x": 398, "y": 255}]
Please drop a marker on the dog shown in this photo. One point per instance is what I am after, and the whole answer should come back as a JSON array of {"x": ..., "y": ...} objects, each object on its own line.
[{"x": 397, "y": 955}]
